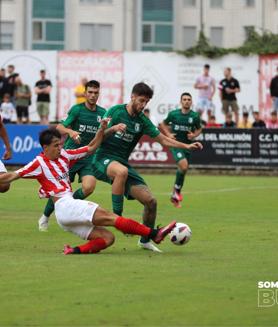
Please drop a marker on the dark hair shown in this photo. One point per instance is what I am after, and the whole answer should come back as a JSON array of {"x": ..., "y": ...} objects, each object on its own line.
[
  {"x": 147, "y": 110},
  {"x": 11, "y": 66},
  {"x": 186, "y": 93},
  {"x": 245, "y": 114},
  {"x": 142, "y": 89},
  {"x": 274, "y": 113},
  {"x": 42, "y": 71},
  {"x": 6, "y": 95},
  {"x": 47, "y": 135},
  {"x": 92, "y": 83},
  {"x": 207, "y": 66}
]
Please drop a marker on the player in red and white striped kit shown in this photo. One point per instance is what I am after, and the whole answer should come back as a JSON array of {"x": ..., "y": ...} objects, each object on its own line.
[
  {"x": 83, "y": 218},
  {"x": 7, "y": 154}
]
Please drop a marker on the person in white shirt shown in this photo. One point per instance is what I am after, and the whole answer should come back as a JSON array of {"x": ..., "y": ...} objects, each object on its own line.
[
  {"x": 206, "y": 86},
  {"x": 7, "y": 109}
]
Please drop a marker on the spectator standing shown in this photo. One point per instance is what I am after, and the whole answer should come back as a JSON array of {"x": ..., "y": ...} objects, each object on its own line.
[
  {"x": 7, "y": 110},
  {"x": 274, "y": 90},
  {"x": 273, "y": 123},
  {"x": 245, "y": 123},
  {"x": 3, "y": 84},
  {"x": 80, "y": 91},
  {"x": 152, "y": 118},
  {"x": 228, "y": 88},
  {"x": 258, "y": 122},
  {"x": 42, "y": 89},
  {"x": 11, "y": 82},
  {"x": 22, "y": 101},
  {"x": 206, "y": 86},
  {"x": 229, "y": 123}
]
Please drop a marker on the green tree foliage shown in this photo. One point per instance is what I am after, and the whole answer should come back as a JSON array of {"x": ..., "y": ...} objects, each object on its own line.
[{"x": 255, "y": 43}]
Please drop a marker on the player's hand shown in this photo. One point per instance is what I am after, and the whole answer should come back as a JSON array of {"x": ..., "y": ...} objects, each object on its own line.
[
  {"x": 190, "y": 135},
  {"x": 172, "y": 136},
  {"x": 76, "y": 137},
  {"x": 7, "y": 155},
  {"x": 195, "y": 146},
  {"x": 119, "y": 128},
  {"x": 104, "y": 123},
  {"x": 228, "y": 90}
]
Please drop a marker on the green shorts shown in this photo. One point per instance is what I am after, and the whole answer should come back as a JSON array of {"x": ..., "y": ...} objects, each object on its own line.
[
  {"x": 180, "y": 154},
  {"x": 43, "y": 108},
  {"x": 100, "y": 172},
  {"x": 82, "y": 168}
]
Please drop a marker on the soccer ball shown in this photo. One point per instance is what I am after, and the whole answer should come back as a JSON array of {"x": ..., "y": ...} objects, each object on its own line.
[{"x": 181, "y": 234}]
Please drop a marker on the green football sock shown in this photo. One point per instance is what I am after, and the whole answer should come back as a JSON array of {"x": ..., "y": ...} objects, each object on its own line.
[
  {"x": 179, "y": 180},
  {"x": 117, "y": 203},
  {"x": 78, "y": 194},
  {"x": 146, "y": 239},
  {"x": 49, "y": 208}
]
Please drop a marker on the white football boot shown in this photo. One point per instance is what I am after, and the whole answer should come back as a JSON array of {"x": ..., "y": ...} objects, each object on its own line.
[
  {"x": 148, "y": 246},
  {"x": 43, "y": 223}
]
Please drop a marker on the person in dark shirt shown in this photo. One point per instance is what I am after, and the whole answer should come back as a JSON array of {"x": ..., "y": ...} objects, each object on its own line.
[
  {"x": 3, "y": 84},
  {"x": 228, "y": 88},
  {"x": 43, "y": 89},
  {"x": 11, "y": 85},
  {"x": 258, "y": 122},
  {"x": 229, "y": 123},
  {"x": 274, "y": 90}
]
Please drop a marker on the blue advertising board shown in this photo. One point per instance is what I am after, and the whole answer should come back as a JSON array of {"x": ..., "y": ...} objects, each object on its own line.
[{"x": 24, "y": 140}]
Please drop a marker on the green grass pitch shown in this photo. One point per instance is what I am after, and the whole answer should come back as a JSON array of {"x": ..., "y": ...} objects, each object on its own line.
[{"x": 211, "y": 281}]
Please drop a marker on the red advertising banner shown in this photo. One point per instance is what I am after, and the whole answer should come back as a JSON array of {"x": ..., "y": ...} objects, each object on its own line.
[
  {"x": 105, "y": 67},
  {"x": 150, "y": 153},
  {"x": 267, "y": 67}
]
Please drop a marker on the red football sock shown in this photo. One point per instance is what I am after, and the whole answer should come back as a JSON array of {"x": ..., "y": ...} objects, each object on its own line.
[
  {"x": 129, "y": 226},
  {"x": 92, "y": 246}
]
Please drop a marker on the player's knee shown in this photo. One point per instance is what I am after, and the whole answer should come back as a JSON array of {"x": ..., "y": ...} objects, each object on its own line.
[
  {"x": 151, "y": 203},
  {"x": 122, "y": 173},
  {"x": 88, "y": 189},
  {"x": 4, "y": 188}
]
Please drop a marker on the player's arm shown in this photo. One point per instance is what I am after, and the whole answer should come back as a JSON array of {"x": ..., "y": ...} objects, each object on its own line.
[
  {"x": 167, "y": 141},
  {"x": 68, "y": 131},
  {"x": 3, "y": 134},
  {"x": 114, "y": 129},
  {"x": 164, "y": 128},
  {"x": 193, "y": 135},
  {"x": 8, "y": 177},
  {"x": 213, "y": 89},
  {"x": 96, "y": 141}
]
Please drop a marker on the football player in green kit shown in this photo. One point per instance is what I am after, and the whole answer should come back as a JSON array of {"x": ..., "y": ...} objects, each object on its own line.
[
  {"x": 80, "y": 126},
  {"x": 110, "y": 163},
  {"x": 184, "y": 125}
]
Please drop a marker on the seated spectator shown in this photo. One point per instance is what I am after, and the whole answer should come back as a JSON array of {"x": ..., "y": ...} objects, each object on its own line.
[
  {"x": 229, "y": 123},
  {"x": 22, "y": 101},
  {"x": 7, "y": 110},
  {"x": 245, "y": 123},
  {"x": 212, "y": 123},
  {"x": 273, "y": 123},
  {"x": 258, "y": 122}
]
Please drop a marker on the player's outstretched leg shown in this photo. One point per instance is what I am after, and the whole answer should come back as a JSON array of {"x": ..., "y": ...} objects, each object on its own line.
[{"x": 99, "y": 239}]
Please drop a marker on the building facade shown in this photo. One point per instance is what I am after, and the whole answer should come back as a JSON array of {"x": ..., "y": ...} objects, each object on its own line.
[{"x": 130, "y": 25}]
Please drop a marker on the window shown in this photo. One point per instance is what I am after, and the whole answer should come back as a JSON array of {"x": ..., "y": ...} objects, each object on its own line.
[
  {"x": 216, "y": 36},
  {"x": 163, "y": 34},
  {"x": 96, "y": 2},
  {"x": 247, "y": 30},
  {"x": 6, "y": 36},
  {"x": 147, "y": 33},
  {"x": 96, "y": 37},
  {"x": 48, "y": 9},
  {"x": 37, "y": 31},
  {"x": 189, "y": 3},
  {"x": 249, "y": 3},
  {"x": 54, "y": 31},
  {"x": 189, "y": 36},
  {"x": 216, "y": 3},
  {"x": 158, "y": 10}
]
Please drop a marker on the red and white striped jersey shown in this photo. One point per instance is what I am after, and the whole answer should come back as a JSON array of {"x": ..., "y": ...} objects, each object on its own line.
[{"x": 53, "y": 175}]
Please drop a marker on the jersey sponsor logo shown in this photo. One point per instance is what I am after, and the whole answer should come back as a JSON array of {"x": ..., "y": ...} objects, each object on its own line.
[
  {"x": 125, "y": 136},
  {"x": 137, "y": 127},
  {"x": 63, "y": 176},
  {"x": 181, "y": 128},
  {"x": 88, "y": 128},
  {"x": 82, "y": 128}
]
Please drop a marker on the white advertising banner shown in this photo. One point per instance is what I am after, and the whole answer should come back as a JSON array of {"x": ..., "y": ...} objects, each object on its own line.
[
  {"x": 28, "y": 65},
  {"x": 170, "y": 74}
]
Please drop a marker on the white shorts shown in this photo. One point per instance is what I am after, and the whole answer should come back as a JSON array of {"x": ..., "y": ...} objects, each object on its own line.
[
  {"x": 204, "y": 104},
  {"x": 2, "y": 167},
  {"x": 75, "y": 215}
]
